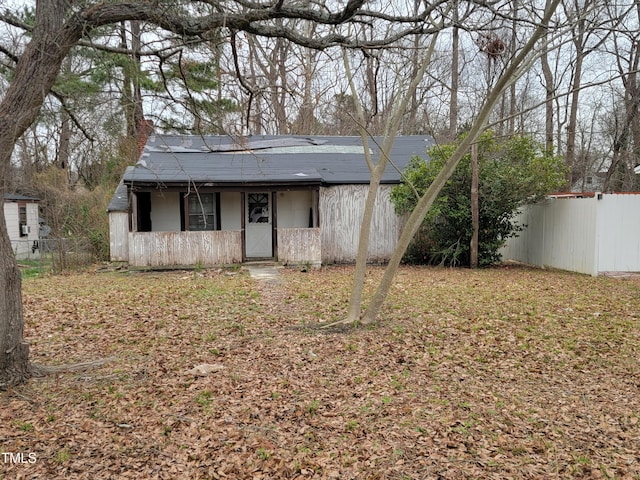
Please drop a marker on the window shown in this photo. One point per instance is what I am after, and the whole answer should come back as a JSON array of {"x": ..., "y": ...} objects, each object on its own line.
[
  {"x": 22, "y": 220},
  {"x": 258, "y": 207},
  {"x": 202, "y": 211}
]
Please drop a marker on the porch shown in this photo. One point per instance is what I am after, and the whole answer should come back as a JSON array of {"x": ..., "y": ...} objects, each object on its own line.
[{"x": 217, "y": 247}]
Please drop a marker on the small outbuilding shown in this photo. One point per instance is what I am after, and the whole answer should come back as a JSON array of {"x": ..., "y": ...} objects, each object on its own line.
[
  {"x": 22, "y": 219},
  {"x": 212, "y": 200}
]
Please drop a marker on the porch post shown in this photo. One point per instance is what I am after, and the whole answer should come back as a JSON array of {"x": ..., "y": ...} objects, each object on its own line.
[
  {"x": 134, "y": 212},
  {"x": 274, "y": 227},
  {"x": 242, "y": 226}
]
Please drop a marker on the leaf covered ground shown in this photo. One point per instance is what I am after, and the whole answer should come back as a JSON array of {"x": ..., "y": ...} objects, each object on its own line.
[{"x": 500, "y": 373}]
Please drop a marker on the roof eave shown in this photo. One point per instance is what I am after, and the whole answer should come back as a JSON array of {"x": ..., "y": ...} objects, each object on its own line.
[{"x": 138, "y": 185}]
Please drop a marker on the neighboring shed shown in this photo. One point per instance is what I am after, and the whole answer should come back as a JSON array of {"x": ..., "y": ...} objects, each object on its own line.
[
  {"x": 21, "y": 217},
  {"x": 591, "y": 233},
  {"x": 216, "y": 200}
]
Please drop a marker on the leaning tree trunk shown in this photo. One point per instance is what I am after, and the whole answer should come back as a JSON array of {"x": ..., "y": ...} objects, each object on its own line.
[
  {"x": 376, "y": 171},
  {"x": 513, "y": 72},
  {"x": 34, "y": 76}
]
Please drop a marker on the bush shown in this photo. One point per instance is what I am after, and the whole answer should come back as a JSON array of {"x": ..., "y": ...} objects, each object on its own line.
[
  {"x": 74, "y": 213},
  {"x": 512, "y": 172}
]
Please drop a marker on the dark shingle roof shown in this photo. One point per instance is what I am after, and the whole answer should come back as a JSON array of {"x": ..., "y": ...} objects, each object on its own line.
[
  {"x": 176, "y": 160},
  {"x": 14, "y": 197},
  {"x": 119, "y": 202},
  {"x": 219, "y": 160}
]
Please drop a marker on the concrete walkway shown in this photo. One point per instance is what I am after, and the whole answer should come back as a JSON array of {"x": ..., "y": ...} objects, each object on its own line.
[{"x": 266, "y": 273}]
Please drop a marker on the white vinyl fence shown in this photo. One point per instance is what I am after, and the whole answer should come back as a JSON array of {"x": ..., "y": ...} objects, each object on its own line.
[{"x": 591, "y": 234}]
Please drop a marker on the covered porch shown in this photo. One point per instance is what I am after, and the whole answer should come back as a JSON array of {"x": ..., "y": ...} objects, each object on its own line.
[{"x": 207, "y": 227}]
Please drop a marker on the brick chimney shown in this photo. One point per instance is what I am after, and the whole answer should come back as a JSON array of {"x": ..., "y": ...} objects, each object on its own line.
[{"x": 144, "y": 129}]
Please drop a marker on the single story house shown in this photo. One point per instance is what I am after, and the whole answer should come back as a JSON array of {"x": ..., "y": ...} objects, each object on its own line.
[
  {"x": 215, "y": 200},
  {"x": 22, "y": 218}
]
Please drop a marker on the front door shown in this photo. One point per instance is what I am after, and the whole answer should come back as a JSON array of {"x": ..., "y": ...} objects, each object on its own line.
[{"x": 258, "y": 225}]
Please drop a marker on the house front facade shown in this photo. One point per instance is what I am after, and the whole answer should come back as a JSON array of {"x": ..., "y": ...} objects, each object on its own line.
[
  {"x": 21, "y": 215},
  {"x": 217, "y": 200}
]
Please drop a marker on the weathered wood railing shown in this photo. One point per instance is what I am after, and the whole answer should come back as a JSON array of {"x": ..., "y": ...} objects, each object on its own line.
[
  {"x": 299, "y": 245},
  {"x": 155, "y": 249}
]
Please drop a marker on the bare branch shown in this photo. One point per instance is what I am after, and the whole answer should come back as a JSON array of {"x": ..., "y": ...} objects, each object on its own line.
[
  {"x": 257, "y": 19},
  {"x": 14, "y": 21},
  {"x": 73, "y": 118},
  {"x": 241, "y": 79}
]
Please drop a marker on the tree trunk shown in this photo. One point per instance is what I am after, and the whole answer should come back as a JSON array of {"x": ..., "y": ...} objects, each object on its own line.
[
  {"x": 512, "y": 89},
  {"x": 14, "y": 351},
  {"x": 627, "y": 136},
  {"x": 305, "y": 123},
  {"x": 549, "y": 95},
  {"x": 475, "y": 208},
  {"x": 377, "y": 170},
  {"x": 278, "y": 85},
  {"x": 138, "y": 112},
  {"x": 572, "y": 126},
  {"x": 34, "y": 76},
  {"x": 132, "y": 94},
  {"x": 64, "y": 152},
  {"x": 573, "y": 119},
  {"x": 455, "y": 75},
  {"x": 64, "y": 145},
  {"x": 355, "y": 302}
]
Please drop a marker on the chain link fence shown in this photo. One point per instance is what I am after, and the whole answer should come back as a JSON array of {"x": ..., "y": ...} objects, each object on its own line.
[{"x": 53, "y": 255}]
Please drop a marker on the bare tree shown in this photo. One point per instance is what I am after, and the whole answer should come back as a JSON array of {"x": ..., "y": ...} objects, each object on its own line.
[
  {"x": 512, "y": 89},
  {"x": 377, "y": 170},
  {"x": 518, "y": 64},
  {"x": 580, "y": 52},
  {"x": 549, "y": 94},
  {"x": 620, "y": 175},
  {"x": 589, "y": 33},
  {"x": 455, "y": 75},
  {"x": 493, "y": 46}
]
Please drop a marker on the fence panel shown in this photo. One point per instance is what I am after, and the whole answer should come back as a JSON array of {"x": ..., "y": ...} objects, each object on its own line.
[
  {"x": 588, "y": 235},
  {"x": 54, "y": 254},
  {"x": 618, "y": 233}
]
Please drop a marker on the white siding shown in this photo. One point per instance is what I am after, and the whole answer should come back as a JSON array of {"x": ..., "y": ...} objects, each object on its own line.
[
  {"x": 230, "y": 214},
  {"x": 12, "y": 220},
  {"x": 341, "y": 209},
  {"x": 586, "y": 235},
  {"x": 165, "y": 211},
  {"x": 22, "y": 245},
  {"x": 618, "y": 231},
  {"x": 294, "y": 208}
]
